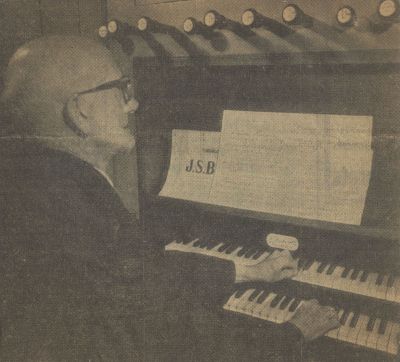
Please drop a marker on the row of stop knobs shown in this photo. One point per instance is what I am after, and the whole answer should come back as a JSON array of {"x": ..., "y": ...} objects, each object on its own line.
[{"x": 291, "y": 15}]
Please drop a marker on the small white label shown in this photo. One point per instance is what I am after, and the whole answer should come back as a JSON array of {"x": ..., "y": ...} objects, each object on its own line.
[{"x": 285, "y": 242}]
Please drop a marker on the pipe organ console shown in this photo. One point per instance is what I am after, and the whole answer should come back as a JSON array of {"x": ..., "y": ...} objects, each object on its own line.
[{"x": 193, "y": 59}]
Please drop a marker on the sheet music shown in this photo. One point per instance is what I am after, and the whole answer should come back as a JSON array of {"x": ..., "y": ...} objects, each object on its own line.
[
  {"x": 302, "y": 165},
  {"x": 192, "y": 167}
]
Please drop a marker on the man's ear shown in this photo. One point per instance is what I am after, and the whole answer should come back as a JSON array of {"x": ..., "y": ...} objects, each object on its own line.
[{"x": 74, "y": 118}]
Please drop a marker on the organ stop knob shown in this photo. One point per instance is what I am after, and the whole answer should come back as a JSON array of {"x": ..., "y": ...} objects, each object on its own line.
[
  {"x": 345, "y": 16},
  {"x": 388, "y": 9},
  {"x": 192, "y": 26},
  {"x": 251, "y": 18},
  {"x": 113, "y": 26},
  {"x": 292, "y": 14},
  {"x": 213, "y": 19},
  {"x": 103, "y": 32}
]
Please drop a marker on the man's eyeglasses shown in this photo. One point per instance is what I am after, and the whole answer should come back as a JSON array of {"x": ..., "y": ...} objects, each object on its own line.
[{"x": 124, "y": 84}]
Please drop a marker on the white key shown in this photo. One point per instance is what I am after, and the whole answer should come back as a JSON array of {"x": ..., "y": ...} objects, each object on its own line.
[
  {"x": 309, "y": 275},
  {"x": 383, "y": 339},
  {"x": 235, "y": 252},
  {"x": 371, "y": 288},
  {"x": 288, "y": 316},
  {"x": 281, "y": 313},
  {"x": 393, "y": 293},
  {"x": 345, "y": 328},
  {"x": 355, "y": 285},
  {"x": 353, "y": 333},
  {"x": 232, "y": 302},
  {"x": 268, "y": 312},
  {"x": 381, "y": 290},
  {"x": 252, "y": 304},
  {"x": 336, "y": 277},
  {"x": 363, "y": 335},
  {"x": 373, "y": 336},
  {"x": 325, "y": 279},
  {"x": 299, "y": 276},
  {"x": 241, "y": 305},
  {"x": 260, "y": 307},
  {"x": 393, "y": 345},
  {"x": 275, "y": 311},
  {"x": 322, "y": 278},
  {"x": 362, "y": 287}
]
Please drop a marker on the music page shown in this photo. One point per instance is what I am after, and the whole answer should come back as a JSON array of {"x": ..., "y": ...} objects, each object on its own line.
[
  {"x": 310, "y": 166},
  {"x": 192, "y": 167}
]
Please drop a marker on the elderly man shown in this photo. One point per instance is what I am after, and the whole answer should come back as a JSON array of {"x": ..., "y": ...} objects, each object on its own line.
[{"x": 78, "y": 283}]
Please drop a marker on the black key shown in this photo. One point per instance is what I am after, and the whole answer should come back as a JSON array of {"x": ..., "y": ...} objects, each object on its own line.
[
  {"x": 203, "y": 244},
  {"x": 242, "y": 251},
  {"x": 224, "y": 247},
  {"x": 301, "y": 263},
  {"x": 364, "y": 276},
  {"x": 382, "y": 327},
  {"x": 261, "y": 298},
  {"x": 308, "y": 264},
  {"x": 379, "y": 280},
  {"x": 284, "y": 303},
  {"x": 240, "y": 292},
  {"x": 249, "y": 253},
  {"x": 187, "y": 241},
  {"x": 370, "y": 325},
  {"x": 211, "y": 245},
  {"x": 258, "y": 254},
  {"x": 331, "y": 269},
  {"x": 276, "y": 300},
  {"x": 391, "y": 281},
  {"x": 354, "y": 274},
  {"x": 197, "y": 243},
  {"x": 322, "y": 267},
  {"x": 346, "y": 272},
  {"x": 294, "y": 305},
  {"x": 354, "y": 320},
  {"x": 344, "y": 317},
  {"x": 231, "y": 249},
  {"x": 254, "y": 294}
]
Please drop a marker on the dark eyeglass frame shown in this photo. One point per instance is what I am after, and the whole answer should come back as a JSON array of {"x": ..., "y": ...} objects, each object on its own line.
[{"x": 124, "y": 84}]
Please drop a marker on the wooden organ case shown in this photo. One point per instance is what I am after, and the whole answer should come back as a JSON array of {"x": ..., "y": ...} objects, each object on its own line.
[{"x": 192, "y": 59}]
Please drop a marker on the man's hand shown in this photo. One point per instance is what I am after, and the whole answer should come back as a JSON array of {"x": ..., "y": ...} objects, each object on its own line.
[
  {"x": 279, "y": 265},
  {"x": 314, "y": 320}
]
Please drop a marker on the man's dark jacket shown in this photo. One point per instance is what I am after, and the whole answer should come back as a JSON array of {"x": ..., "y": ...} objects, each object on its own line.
[{"x": 78, "y": 283}]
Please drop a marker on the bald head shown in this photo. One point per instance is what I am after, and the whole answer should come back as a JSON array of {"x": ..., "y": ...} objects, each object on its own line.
[{"x": 44, "y": 73}]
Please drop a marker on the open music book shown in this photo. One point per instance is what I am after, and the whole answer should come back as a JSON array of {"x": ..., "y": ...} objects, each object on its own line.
[{"x": 309, "y": 166}]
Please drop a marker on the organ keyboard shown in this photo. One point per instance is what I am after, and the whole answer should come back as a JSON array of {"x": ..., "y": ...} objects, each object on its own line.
[
  {"x": 381, "y": 286},
  {"x": 356, "y": 328}
]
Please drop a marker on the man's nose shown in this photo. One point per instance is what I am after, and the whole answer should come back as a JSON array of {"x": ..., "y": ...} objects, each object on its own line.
[{"x": 131, "y": 106}]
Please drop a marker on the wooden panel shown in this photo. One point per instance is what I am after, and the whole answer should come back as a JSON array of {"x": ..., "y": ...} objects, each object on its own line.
[
  {"x": 20, "y": 22},
  {"x": 92, "y": 15},
  {"x": 146, "y": 2},
  {"x": 60, "y": 17}
]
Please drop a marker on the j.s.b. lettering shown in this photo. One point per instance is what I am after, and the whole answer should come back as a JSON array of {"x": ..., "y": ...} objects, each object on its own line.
[{"x": 201, "y": 166}]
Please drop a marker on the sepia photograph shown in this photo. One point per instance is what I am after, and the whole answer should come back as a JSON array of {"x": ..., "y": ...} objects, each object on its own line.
[{"x": 200, "y": 181}]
